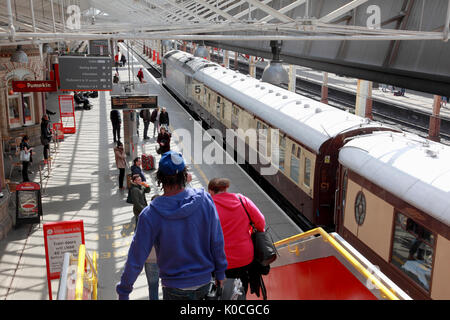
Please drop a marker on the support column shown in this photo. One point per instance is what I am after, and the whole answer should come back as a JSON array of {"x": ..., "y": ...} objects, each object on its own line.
[
  {"x": 292, "y": 77},
  {"x": 363, "y": 107},
  {"x": 130, "y": 138},
  {"x": 324, "y": 91},
  {"x": 226, "y": 59},
  {"x": 252, "y": 66},
  {"x": 435, "y": 120}
]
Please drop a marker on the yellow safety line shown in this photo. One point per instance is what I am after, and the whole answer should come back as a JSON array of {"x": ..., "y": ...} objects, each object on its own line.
[{"x": 326, "y": 237}]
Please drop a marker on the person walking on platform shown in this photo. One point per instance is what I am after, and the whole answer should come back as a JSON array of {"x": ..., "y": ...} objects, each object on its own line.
[
  {"x": 444, "y": 101},
  {"x": 46, "y": 136},
  {"x": 237, "y": 232},
  {"x": 164, "y": 117},
  {"x": 146, "y": 116},
  {"x": 137, "y": 194},
  {"x": 137, "y": 169},
  {"x": 27, "y": 157},
  {"x": 184, "y": 227},
  {"x": 123, "y": 60},
  {"x": 140, "y": 75},
  {"x": 116, "y": 121},
  {"x": 163, "y": 140},
  {"x": 117, "y": 61},
  {"x": 155, "y": 120},
  {"x": 116, "y": 78},
  {"x": 121, "y": 162}
]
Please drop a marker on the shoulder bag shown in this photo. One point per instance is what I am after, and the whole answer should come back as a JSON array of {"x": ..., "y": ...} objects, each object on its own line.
[
  {"x": 264, "y": 251},
  {"x": 24, "y": 156}
]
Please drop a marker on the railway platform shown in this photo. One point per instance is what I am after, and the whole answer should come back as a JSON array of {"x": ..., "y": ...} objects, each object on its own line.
[{"x": 83, "y": 184}]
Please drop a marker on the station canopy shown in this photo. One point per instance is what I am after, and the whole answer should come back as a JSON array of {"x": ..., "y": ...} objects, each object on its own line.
[{"x": 34, "y": 21}]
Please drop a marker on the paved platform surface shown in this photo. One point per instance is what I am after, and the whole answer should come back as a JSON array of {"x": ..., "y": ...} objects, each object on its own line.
[{"x": 84, "y": 185}]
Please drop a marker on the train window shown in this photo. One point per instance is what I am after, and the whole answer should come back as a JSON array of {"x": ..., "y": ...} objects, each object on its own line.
[
  {"x": 295, "y": 164},
  {"x": 360, "y": 208},
  {"x": 344, "y": 189},
  {"x": 282, "y": 154},
  {"x": 262, "y": 138},
  {"x": 307, "y": 173},
  {"x": 235, "y": 117},
  {"x": 412, "y": 250}
]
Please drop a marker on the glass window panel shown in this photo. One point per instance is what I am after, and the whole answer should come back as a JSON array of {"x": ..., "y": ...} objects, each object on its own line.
[
  {"x": 27, "y": 109},
  {"x": 282, "y": 153},
  {"x": 412, "y": 250},
  {"x": 13, "y": 111},
  {"x": 295, "y": 168},
  {"x": 307, "y": 175}
]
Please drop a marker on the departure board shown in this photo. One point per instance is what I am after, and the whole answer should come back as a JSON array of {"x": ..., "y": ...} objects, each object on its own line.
[{"x": 133, "y": 102}]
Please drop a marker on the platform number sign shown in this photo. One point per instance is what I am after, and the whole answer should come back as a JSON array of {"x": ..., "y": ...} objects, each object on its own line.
[{"x": 74, "y": 20}]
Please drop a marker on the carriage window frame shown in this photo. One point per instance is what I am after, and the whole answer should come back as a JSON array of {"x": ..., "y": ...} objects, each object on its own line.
[
  {"x": 295, "y": 163},
  {"x": 282, "y": 153},
  {"x": 360, "y": 208},
  {"x": 21, "y": 119},
  {"x": 262, "y": 128},
  {"x": 307, "y": 172},
  {"x": 235, "y": 116},
  {"x": 411, "y": 244}
]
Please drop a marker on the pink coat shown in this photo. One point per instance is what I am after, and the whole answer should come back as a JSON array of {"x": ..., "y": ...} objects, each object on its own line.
[{"x": 236, "y": 227}]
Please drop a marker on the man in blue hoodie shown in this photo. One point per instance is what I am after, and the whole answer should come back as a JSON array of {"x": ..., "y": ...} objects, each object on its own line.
[{"x": 185, "y": 229}]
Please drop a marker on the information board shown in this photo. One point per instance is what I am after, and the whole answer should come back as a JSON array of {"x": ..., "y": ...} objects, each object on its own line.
[
  {"x": 67, "y": 112},
  {"x": 98, "y": 47},
  {"x": 79, "y": 73},
  {"x": 134, "y": 102},
  {"x": 28, "y": 203},
  {"x": 59, "y": 238}
]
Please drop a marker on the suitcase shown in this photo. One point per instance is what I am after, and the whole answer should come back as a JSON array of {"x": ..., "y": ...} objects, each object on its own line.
[{"x": 148, "y": 162}]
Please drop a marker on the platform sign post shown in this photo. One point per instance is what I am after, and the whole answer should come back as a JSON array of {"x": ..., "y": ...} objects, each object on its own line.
[
  {"x": 67, "y": 110},
  {"x": 59, "y": 238}
]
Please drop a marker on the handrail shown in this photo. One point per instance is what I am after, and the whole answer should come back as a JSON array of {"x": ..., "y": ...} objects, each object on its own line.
[
  {"x": 83, "y": 256},
  {"x": 326, "y": 237}
]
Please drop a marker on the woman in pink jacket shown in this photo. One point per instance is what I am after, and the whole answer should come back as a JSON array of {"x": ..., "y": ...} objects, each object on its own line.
[{"x": 236, "y": 228}]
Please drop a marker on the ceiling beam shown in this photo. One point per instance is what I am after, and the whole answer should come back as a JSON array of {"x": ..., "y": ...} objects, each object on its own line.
[
  {"x": 271, "y": 11},
  {"x": 342, "y": 10}
]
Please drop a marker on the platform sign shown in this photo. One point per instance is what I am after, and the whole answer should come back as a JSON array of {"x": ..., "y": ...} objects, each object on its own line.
[
  {"x": 67, "y": 113},
  {"x": 133, "y": 102},
  {"x": 28, "y": 203},
  {"x": 59, "y": 238},
  {"x": 79, "y": 73},
  {"x": 34, "y": 86}
]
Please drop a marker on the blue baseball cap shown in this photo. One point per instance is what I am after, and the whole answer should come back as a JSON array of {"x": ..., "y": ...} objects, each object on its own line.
[{"x": 171, "y": 163}]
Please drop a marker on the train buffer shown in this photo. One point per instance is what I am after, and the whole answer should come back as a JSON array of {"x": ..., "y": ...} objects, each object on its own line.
[{"x": 315, "y": 265}]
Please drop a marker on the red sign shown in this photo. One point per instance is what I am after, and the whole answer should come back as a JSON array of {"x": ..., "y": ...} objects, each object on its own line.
[
  {"x": 59, "y": 130},
  {"x": 67, "y": 110},
  {"x": 34, "y": 86},
  {"x": 59, "y": 238}
]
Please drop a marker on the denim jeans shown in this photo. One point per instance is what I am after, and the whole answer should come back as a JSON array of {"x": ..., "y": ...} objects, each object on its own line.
[
  {"x": 178, "y": 294},
  {"x": 152, "y": 273}
]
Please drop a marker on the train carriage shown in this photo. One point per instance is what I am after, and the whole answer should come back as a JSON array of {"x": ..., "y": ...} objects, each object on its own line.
[
  {"x": 394, "y": 208},
  {"x": 310, "y": 132}
]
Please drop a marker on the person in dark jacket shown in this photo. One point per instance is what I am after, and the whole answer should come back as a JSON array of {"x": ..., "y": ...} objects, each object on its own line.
[
  {"x": 123, "y": 60},
  {"x": 164, "y": 117},
  {"x": 136, "y": 168},
  {"x": 137, "y": 193},
  {"x": 163, "y": 140},
  {"x": 146, "y": 117},
  {"x": 116, "y": 78},
  {"x": 116, "y": 122},
  {"x": 46, "y": 135}
]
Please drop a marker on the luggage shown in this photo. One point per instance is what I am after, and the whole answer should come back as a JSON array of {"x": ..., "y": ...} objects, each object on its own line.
[{"x": 148, "y": 162}]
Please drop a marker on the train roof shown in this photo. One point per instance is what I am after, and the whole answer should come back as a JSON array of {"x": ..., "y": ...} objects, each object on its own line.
[
  {"x": 309, "y": 121},
  {"x": 412, "y": 168},
  {"x": 188, "y": 61}
]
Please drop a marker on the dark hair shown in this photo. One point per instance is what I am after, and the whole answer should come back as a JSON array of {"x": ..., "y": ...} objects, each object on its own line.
[
  {"x": 218, "y": 184},
  {"x": 136, "y": 160},
  {"x": 25, "y": 137},
  {"x": 134, "y": 177},
  {"x": 179, "y": 179}
]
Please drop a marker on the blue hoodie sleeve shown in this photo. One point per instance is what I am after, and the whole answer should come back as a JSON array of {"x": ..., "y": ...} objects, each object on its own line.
[
  {"x": 217, "y": 241},
  {"x": 139, "y": 250}
]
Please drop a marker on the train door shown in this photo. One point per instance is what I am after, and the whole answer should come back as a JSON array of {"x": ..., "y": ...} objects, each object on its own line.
[{"x": 326, "y": 193}]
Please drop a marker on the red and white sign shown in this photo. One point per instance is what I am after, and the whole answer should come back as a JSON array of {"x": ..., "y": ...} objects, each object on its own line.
[
  {"x": 67, "y": 110},
  {"x": 58, "y": 130},
  {"x": 34, "y": 86},
  {"x": 59, "y": 238}
]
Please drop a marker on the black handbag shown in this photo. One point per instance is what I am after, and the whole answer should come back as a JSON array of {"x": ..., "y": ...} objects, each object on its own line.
[{"x": 264, "y": 251}]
